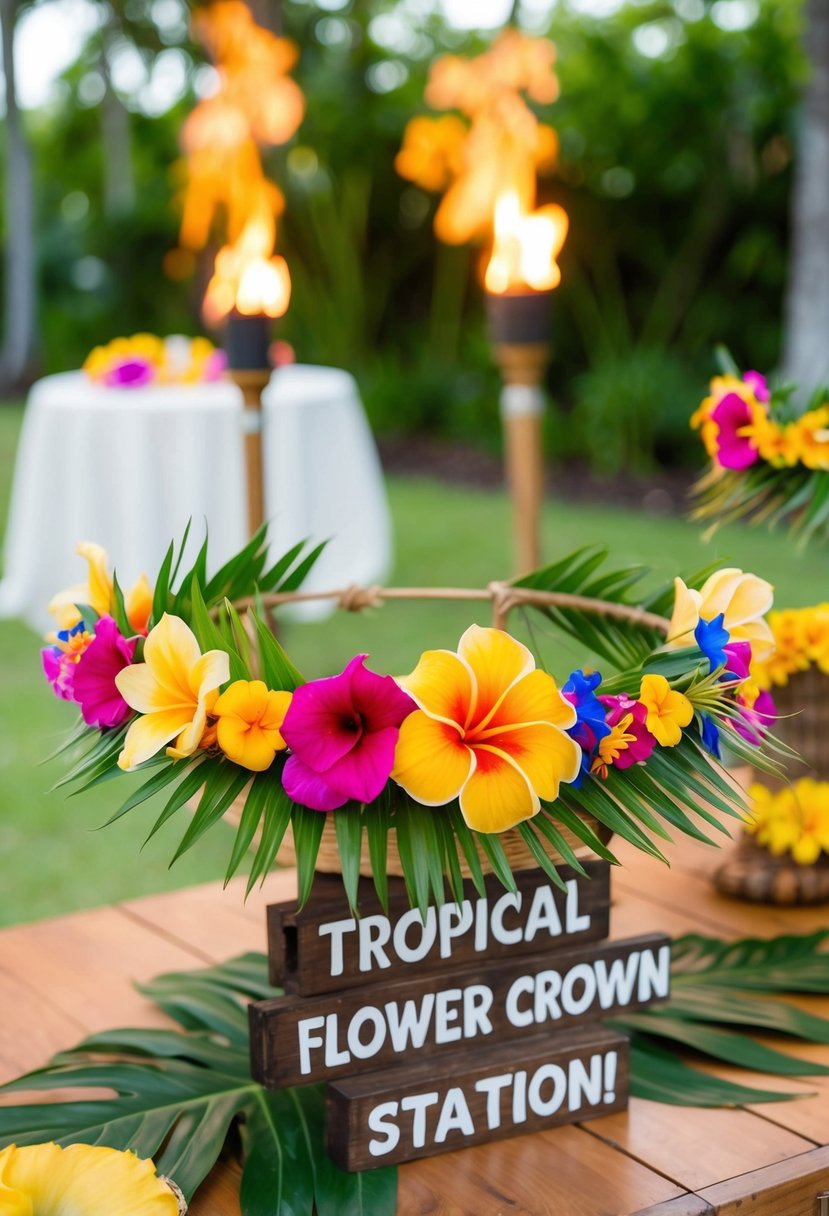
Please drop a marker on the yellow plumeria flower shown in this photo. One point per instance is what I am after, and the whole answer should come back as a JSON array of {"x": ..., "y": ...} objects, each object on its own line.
[
  {"x": 250, "y": 716},
  {"x": 174, "y": 689},
  {"x": 81, "y": 1180},
  {"x": 795, "y": 820},
  {"x": 668, "y": 710},
  {"x": 97, "y": 593},
  {"x": 743, "y": 599},
  {"x": 490, "y": 730}
]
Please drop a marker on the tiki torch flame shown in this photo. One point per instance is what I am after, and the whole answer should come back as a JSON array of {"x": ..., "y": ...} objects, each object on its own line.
[
  {"x": 525, "y": 247},
  {"x": 248, "y": 277}
]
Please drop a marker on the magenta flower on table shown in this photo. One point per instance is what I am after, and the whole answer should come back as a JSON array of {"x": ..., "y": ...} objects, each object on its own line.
[
  {"x": 130, "y": 373},
  {"x": 94, "y": 686},
  {"x": 342, "y": 732},
  {"x": 735, "y": 420}
]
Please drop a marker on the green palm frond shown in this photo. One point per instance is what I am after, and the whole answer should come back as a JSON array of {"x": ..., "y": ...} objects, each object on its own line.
[{"x": 795, "y": 497}]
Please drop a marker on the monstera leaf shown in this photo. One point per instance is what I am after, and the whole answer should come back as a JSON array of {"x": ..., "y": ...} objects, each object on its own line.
[{"x": 179, "y": 1093}]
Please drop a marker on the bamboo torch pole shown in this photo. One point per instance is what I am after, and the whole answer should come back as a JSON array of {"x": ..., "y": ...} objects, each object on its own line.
[{"x": 247, "y": 341}]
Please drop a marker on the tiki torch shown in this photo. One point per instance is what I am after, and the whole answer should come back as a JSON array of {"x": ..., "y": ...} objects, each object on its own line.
[
  {"x": 250, "y": 289},
  {"x": 520, "y": 278}
]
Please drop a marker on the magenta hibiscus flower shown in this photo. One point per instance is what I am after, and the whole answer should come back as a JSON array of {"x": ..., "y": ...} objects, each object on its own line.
[
  {"x": 94, "y": 686},
  {"x": 342, "y": 732},
  {"x": 643, "y": 741},
  {"x": 735, "y": 449}
]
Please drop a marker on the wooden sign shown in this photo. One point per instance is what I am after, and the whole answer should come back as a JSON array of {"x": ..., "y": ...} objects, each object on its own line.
[
  {"x": 325, "y": 949},
  {"x": 495, "y": 1092},
  {"x": 296, "y": 1040}
]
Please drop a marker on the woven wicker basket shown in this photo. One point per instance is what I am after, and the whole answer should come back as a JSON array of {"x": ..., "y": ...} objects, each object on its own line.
[{"x": 803, "y": 706}]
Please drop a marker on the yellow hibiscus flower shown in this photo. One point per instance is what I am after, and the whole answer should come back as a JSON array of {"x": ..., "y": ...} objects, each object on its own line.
[
  {"x": 249, "y": 719},
  {"x": 490, "y": 730},
  {"x": 668, "y": 710},
  {"x": 81, "y": 1180},
  {"x": 174, "y": 689}
]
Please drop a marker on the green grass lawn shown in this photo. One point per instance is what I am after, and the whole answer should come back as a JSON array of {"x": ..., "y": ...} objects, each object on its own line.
[{"x": 54, "y": 859}]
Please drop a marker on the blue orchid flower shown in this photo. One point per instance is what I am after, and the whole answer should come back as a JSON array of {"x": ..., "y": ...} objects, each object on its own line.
[
  {"x": 712, "y": 638},
  {"x": 711, "y": 736},
  {"x": 591, "y": 716}
]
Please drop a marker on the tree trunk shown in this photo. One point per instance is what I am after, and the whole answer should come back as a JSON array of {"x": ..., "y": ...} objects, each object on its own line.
[
  {"x": 20, "y": 268},
  {"x": 116, "y": 134},
  {"x": 806, "y": 353}
]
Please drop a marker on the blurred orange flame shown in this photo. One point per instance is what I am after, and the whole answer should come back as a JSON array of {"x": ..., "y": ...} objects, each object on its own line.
[
  {"x": 526, "y": 246},
  {"x": 256, "y": 104},
  {"x": 248, "y": 277}
]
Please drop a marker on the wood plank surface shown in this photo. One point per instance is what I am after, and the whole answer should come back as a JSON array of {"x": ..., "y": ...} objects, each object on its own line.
[{"x": 63, "y": 978}]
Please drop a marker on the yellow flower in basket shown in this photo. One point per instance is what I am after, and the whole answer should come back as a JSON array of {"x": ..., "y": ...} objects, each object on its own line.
[{"x": 490, "y": 729}]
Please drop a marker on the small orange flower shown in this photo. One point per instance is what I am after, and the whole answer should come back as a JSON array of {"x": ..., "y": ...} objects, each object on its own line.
[
  {"x": 249, "y": 720},
  {"x": 668, "y": 710}
]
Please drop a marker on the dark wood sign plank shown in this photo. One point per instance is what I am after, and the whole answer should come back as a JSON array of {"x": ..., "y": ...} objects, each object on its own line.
[
  {"x": 324, "y": 948},
  {"x": 496, "y": 1092},
  {"x": 296, "y": 1040}
]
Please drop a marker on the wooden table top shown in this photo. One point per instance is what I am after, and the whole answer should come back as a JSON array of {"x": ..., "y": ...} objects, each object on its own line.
[{"x": 61, "y": 979}]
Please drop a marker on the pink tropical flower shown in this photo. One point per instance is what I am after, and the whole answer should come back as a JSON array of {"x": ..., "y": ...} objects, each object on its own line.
[
  {"x": 342, "y": 732},
  {"x": 757, "y": 718},
  {"x": 94, "y": 687},
  {"x": 59, "y": 669},
  {"x": 215, "y": 365},
  {"x": 734, "y": 418},
  {"x": 642, "y": 743},
  {"x": 130, "y": 373},
  {"x": 758, "y": 384},
  {"x": 738, "y": 659}
]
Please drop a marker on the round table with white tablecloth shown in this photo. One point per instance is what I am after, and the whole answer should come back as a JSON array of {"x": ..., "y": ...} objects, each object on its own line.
[{"x": 128, "y": 468}]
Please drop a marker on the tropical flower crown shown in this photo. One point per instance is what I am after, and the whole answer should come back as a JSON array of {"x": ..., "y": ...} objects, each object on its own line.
[
  {"x": 769, "y": 459},
  {"x": 172, "y": 681},
  {"x": 146, "y": 359}
]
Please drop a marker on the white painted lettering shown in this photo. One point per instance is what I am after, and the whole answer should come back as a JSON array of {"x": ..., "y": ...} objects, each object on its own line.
[
  {"x": 477, "y": 1002},
  {"x": 367, "y": 1016},
  {"x": 507, "y": 937},
  {"x": 583, "y": 974},
  {"x": 654, "y": 973},
  {"x": 446, "y": 1011},
  {"x": 585, "y": 1087},
  {"x": 492, "y": 1087},
  {"x": 547, "y": 990},
  {"x": 428, "y": 931},
  {"x": 454, "y": 1116},
  {"x": 575, "y": 923},
  {"x": 516, "y": 1016},
  {"x": 519, "y": 1097},
  {"x": 333, "y": 1056},
  {"x": 307, "y": 1040},
  {"x": 547, "y": 1106},
  {"x": 543, "y": 915},
  {"x": 411, "y": 1023},
  {"x": 337, "y": 930},
  {"x": 418, "y": 1103},
  {"x": 461, "y": 915},
  {"x": 380, "y": 1121},
  {"x": 481, "y": 924},
  {"x": 375, "y": 931},
  {"x": 615, "y": 983}
]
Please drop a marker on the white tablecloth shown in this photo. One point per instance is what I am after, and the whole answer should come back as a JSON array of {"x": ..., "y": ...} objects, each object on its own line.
[{"x": 127, "y": 468}]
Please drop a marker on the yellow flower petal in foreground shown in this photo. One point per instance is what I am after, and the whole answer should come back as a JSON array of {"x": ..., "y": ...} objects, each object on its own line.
[
  {"x": 81, "y": 1180},
  {"x": 174, "y": 689},
  {"x": 668, "y": 710},
  {"x": 249, "y": 719},
  {"x": 490, "y": 731},
  {"x": 743, "y": 599}
]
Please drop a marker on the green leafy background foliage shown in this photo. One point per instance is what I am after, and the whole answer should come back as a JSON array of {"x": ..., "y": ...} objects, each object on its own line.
[{"x": 184, "y": 1096}]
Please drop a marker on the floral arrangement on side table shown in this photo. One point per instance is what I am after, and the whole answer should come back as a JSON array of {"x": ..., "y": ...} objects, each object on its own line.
[
  {"x": 770, "y": 459},
  {"x": 473, "y": 747},
  {"x": 145, "y": 359}
]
